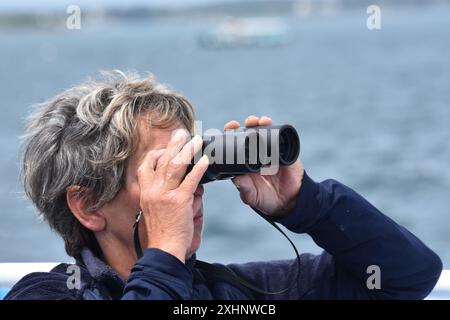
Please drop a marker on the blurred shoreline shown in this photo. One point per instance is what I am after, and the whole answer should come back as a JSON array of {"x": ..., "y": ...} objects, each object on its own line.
[{"x": 55, "y": 17}]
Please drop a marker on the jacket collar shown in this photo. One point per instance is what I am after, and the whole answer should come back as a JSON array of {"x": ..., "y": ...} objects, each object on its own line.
[{"x": 103, "y": 273}]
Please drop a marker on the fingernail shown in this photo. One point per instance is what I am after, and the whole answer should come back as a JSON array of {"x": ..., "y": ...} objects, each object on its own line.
[
  {"x": 179, "y": 134},
  {"x": 204, "y": 159},
  {"x": 236, "y": 183},
  {"x": 196, "y": 139}
]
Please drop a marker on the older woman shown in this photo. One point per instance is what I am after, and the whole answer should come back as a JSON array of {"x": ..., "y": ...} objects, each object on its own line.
[{"x": 99, "y": 153}]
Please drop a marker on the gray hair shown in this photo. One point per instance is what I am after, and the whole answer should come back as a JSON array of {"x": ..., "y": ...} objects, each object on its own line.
[{"x": 84, "y": 137}]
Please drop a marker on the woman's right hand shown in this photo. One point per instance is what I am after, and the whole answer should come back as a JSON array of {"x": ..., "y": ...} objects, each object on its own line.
[{"x": 167, "y": 193}]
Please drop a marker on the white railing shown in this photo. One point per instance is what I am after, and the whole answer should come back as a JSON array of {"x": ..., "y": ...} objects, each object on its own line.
[
  {"x": 10, "y": 273},
  {"x": 442, "y": 289}
]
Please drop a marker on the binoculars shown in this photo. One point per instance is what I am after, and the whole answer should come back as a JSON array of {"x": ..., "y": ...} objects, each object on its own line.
[{"x": 248, "y": 150}]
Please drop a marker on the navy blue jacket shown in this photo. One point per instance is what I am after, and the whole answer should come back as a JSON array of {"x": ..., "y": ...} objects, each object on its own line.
[{"x": 352, "y": 232}]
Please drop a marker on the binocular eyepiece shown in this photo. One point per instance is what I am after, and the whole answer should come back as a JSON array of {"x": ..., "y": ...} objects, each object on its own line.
[{"x": 248, "y": 150}]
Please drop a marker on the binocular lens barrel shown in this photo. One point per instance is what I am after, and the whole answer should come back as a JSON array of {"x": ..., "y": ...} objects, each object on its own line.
[{"x": 248, "y": 150}]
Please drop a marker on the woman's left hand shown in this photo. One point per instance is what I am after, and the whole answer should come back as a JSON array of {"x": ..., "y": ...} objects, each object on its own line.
[{"x": 274, "y": 195}]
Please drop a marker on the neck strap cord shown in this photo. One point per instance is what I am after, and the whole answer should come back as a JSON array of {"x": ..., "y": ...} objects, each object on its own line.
[
  {"x": 137, "y": 242},
  {"x": 226, "y": 273}
]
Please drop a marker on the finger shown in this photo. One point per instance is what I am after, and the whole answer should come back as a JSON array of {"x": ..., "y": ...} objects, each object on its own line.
[
  {"x": 265, "y": 121},
  {"x": 157, "y": 154},
  {"x": 233, "y": 124},
  {"x": 174, "y": 146},
  {"x": 251, "y": 121},
  {"x": 176, "y": 169},
  {"x": 246, "y": 188},
  {"x": 146, "y": 169},
  {"x": 243, "y": 183},
  {"x": 192, "y": 179}
]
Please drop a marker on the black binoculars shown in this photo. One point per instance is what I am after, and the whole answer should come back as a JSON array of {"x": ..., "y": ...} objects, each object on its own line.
[{"x": 248, "y": 150}]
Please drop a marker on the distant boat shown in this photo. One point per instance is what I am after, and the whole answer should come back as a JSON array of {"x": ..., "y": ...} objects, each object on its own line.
[{"x": 248, "y": 32}]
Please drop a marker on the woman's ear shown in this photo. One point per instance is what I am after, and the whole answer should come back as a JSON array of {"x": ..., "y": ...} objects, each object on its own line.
[{"x": 92, "y": 220}]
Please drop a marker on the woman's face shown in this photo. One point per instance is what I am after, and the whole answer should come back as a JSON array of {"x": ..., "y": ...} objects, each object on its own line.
[{"x": 120, "y": 213}]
